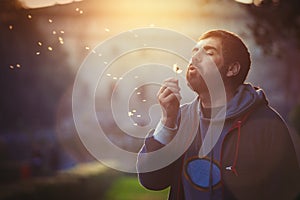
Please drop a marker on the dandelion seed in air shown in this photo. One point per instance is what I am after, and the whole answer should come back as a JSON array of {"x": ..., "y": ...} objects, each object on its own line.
[
  {"x": 139, "y": 116},
  {"x": 18, "y": 65},
  {"x": 87, "y": 48},
  {"x": 106, "y": 30},
  {"x": 61, "y": 41},
  {"x": 37, "y": 53},
  {"x": 54, "y": 32},
  {"x": 81, "y": 12},
  {"x": 50, "y": 48},
  {"x": 10, "y": 27},
  {"x": 144, "y": 100},
  {"x": 130, "y": 114},
  {"x": 77, "y": 9},
  {"x": 50, "y": 20},
  {"x": 108, "y": 74},
  {"x": 40, "y": 43},
  {"x": 11, "y": 67},
  {"x": 29, "y": 16},
  {"x": 115, "y": 78},
  {"x": 133, "y": 111}
]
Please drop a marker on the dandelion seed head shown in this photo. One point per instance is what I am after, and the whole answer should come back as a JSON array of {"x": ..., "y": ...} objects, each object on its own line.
[{"x": 176, "y": 69}]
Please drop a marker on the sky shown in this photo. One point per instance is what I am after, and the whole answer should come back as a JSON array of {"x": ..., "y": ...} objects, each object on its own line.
[{"x": 44, "y": 3}]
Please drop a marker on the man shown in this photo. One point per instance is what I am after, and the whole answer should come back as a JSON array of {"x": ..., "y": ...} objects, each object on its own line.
[{"x": 252, "y": 157}]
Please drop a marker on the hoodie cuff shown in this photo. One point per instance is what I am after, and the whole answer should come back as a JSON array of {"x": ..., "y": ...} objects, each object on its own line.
[{"x": 164, "y": 134}]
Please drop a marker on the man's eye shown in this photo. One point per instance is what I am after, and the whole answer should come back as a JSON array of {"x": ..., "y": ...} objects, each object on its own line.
[{"x": 210, "y": 53}]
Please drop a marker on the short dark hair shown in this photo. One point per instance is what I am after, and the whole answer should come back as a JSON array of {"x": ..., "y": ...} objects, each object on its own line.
[{"x": 234, "y": 50}]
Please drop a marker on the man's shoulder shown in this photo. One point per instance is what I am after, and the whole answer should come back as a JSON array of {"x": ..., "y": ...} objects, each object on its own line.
[{"x": 265, "y": 112}]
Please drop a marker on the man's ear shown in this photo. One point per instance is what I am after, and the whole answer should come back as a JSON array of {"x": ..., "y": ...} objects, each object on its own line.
[{"x": 233, "y": 69}]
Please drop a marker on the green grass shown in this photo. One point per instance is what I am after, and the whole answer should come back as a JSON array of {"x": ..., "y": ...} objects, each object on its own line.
[
  {"x": 128, "y": 188},
  {"x": 91, "y": 181}
]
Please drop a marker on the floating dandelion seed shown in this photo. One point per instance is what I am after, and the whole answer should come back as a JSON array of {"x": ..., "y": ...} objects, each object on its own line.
[
  {"x": 115, "y": 78},
  {"x": 138, "y": 93},
  {"x": 87, "y": 48},
  {"x": 10, "y": 27},
  {"x": 54, "y": 32},
  {"x": 11, "y": 66},
  {"x": 108, "y": 74},
  {"x": 135, "y": 88},
  {"x": 135, "y": 124},
  {"x": 77, "y": 9},
  {"x": 50, "y": 48},
  {"x": 105, "y": 63},
  {"x": 139, "y": 116},
  {"x": 18, "y": 65},
  {"x": 40, "y": 43},
  {"x": 133, "y": 111},
  {"x": 50, "y": 20},
  {"x": 130, "y": 114},
  {"x": 61, "y": 40},
  {"x": 99, "y": 54},
  {"x": 144, "y": 100},
  {"x": 37, "y": 53},
  {"x": 62, "y": 32},
  {"x": 121, "y": 78},
  {"x": 106, "y": 29},
  {"x": 81, "y": 12},
  {"x": 29, "y": 16}
]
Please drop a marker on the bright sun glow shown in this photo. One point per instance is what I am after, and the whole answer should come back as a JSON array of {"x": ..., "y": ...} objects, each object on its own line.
[
  {"x": 44, "y": 3},
  {"x": 245, "y": 1}
]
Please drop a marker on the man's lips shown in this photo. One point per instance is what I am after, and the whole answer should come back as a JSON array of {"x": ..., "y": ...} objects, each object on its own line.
[{"x": 192, "y": 69}]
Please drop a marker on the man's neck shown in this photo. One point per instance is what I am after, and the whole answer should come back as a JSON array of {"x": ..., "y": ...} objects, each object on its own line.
[{"x": 218, "y": 101}]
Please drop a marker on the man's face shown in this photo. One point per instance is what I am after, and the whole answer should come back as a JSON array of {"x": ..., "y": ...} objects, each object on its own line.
[{"x": 207, "y": 60}]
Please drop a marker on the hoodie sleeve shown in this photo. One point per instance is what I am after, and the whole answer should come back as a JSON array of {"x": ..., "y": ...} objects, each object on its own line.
[{"x": 161, "y": 178}]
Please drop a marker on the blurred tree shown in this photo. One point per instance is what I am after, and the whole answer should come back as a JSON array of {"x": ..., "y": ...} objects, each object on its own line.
[
  {"x": 33, "y": 76},
  {"x": 276, "y": 28},
  {"x": 275, "y": 20}
]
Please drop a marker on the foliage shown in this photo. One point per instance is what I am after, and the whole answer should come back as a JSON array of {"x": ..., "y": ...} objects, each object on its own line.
[
  {"x": 31, "y": 84},
  {"x": 275, "y": 20}
]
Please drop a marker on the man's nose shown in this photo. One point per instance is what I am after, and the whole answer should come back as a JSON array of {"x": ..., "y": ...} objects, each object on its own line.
[{"x": 196, "y": 57}]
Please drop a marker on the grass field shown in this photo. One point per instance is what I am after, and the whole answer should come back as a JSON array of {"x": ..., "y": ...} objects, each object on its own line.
[
  {"x": 128, "y": 188},
  {"x": 91, "y": 181}
]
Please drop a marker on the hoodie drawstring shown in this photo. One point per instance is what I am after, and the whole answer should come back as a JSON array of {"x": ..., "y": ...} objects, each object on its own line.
[{"x": 233, "y": 168}]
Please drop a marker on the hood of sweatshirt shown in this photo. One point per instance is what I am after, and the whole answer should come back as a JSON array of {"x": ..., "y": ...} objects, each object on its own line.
[{"x": 245, "y": 98}]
